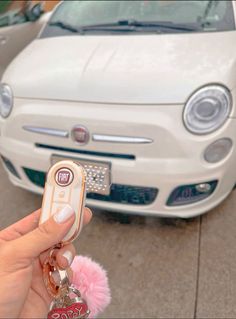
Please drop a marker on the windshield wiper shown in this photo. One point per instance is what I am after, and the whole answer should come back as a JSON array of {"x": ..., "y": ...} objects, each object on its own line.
[
  {"x": 64, "y": 26},
  {"x": 67, "y": 26},
  {"x": 133, "y": 24},
  {"x": 125, "y": 25}
]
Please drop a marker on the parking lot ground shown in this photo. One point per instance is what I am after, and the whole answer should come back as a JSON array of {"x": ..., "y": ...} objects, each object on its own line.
[
  {"x": 155, "y": 267},
  {"x": 217, "y": 264}
]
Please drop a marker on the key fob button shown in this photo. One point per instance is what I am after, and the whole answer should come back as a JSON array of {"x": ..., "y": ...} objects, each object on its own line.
[{"x": 62, "y": 194}]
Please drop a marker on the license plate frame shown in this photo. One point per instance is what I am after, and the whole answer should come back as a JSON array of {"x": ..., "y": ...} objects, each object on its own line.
[{"x": 94, "y": 169}]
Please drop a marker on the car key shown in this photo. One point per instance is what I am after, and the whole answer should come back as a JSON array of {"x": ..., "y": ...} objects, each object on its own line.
[{"x": 65, "y": 185}]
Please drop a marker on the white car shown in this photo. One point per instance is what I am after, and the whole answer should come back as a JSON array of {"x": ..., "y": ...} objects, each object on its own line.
[{"x": 144, "y": 89}]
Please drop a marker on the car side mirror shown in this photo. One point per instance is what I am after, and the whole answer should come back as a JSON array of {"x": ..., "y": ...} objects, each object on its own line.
[{"x": 35, "y": 12}]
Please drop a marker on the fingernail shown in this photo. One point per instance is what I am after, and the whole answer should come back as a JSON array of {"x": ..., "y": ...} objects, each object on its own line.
[
  {"x": 69, "y": 257},
  {"x": 63, "y": 215}
]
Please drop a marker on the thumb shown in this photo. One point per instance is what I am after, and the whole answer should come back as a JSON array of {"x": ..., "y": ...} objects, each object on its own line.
[{"x": 46, "y": 235}]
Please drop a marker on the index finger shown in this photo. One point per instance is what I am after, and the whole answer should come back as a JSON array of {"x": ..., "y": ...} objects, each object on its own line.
[{"x": 31, "y": 222}]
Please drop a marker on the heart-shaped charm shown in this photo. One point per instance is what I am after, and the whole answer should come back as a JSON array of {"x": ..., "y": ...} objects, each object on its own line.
[{"x": 75, "y": 311}]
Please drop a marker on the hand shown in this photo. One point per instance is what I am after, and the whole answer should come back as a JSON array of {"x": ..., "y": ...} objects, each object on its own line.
[{"x": 23, "y": 249}]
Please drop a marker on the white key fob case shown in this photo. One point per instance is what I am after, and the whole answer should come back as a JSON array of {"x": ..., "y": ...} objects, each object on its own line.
[{"x": 65, "y": 184}]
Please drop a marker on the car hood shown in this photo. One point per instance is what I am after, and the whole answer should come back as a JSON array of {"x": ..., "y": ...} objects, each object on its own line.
[{"x": 150, "y": 69}]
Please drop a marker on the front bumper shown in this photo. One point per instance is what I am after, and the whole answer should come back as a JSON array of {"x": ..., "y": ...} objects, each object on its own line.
[{"x": 174, "y": 158}]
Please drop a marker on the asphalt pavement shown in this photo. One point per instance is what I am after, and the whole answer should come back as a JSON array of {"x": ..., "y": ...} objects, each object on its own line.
[{"x": 157, "y": 268}]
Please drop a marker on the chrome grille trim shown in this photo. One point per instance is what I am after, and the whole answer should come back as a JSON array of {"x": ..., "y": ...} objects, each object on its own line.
[
  {"x": 121, "y": 139},
  {"x": 46, "y": 131}
]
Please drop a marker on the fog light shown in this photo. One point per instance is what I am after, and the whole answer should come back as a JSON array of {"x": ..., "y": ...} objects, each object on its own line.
[
  {"x": 203, "y": 188},
  {"x": 188, "y": 194},
  {"x": 218, "y": 150},
  {"x": 11, "y": 168}
]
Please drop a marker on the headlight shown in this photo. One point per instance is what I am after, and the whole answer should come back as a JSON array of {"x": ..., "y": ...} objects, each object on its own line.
[
  {"x": 6, "y": 100},
  {"x": 207, "y": 109}
]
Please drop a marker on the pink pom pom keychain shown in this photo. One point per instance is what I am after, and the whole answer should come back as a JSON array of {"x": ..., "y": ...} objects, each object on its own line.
[
  {"x": 86, "y": 296},
  {"x": 92, "y": 282}
]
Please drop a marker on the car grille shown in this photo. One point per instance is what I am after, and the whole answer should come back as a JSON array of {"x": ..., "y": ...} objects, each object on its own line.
[
  {"x": 123, "y": 194},
  {"x": 86, "y": 152}
]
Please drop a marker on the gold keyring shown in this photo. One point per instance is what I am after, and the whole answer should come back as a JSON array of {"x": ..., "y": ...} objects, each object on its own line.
[{"x": 49, "y": 268}]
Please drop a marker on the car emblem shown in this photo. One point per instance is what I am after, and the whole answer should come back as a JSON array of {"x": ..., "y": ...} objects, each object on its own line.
[
  {"x": 64, "y": 177},
  {"x": 80, "y": 134}
]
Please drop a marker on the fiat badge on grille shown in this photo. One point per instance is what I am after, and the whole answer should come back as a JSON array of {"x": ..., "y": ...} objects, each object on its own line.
[{"x": 80, "y": 134}]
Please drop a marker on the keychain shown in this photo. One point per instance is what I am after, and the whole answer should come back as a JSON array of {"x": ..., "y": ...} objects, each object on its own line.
[
  {"x": 67, "y": 302},
  {"x": 66, "y": 185}
]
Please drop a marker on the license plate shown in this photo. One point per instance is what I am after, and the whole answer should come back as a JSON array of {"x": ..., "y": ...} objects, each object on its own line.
[{"x": 98, "y": 173}]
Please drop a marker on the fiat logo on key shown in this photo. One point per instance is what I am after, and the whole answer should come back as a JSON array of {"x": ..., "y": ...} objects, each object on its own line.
[
  {"x": 80, "y": 134},
  {"x": 64, "y": 177}
]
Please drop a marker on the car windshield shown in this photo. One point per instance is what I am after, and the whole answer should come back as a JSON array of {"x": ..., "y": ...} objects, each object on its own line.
[{"x": 115, "y": 17}]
